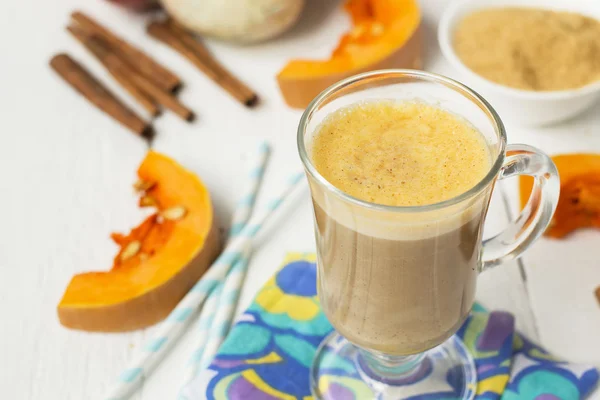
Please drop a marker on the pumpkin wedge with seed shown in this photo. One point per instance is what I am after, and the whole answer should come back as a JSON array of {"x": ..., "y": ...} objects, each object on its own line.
[{"x": 158, "y": 261}]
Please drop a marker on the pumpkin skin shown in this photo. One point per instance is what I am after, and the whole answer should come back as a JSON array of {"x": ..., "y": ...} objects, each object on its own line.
[
  {"x": 579, "y": 202},
  {"x": 386, "y": 34},
  {"x": 241, "y": 21},
  {"x": 143, "y": 289}
]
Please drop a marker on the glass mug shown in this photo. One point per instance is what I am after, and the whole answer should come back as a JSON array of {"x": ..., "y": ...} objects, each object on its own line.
[{"x": 397, "y": 283}]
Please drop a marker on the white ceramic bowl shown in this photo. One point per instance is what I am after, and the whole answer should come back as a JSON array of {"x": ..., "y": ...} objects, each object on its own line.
[{"x": 514, "y": 105}]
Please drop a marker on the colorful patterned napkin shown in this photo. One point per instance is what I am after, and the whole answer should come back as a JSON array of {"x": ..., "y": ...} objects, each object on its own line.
[{"x": 269, "y": 352}]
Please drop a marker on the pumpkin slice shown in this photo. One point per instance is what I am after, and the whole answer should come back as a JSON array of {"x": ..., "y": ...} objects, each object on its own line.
[
  {"x": 579, "y": 202},
  {"x": 385, "y": 34},
  {"x": 158, "y": 261}
]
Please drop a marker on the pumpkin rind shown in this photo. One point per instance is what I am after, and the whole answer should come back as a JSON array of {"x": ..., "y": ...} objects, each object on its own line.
[{"x": 139, "y": 292}]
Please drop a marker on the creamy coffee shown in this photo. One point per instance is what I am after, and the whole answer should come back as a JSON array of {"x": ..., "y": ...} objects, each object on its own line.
[{"x": 398, "y": 282}]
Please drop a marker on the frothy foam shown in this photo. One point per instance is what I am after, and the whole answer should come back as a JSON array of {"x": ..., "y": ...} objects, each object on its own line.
[{"x": 400, "y": 154}]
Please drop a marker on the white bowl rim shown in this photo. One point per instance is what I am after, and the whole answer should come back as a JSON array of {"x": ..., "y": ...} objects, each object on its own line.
[{"x": 444, "y": 38}]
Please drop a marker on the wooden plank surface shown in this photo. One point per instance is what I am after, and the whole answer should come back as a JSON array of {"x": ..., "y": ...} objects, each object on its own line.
[{"x": 66, "y": 171}]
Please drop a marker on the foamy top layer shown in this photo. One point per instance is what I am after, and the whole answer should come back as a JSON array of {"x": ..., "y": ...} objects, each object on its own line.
[{"x": 400, "y": 154}]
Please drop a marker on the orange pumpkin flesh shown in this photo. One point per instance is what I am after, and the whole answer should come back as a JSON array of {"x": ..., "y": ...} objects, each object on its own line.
[
  {"x": 142, "y": 289},
  {"x": 385, "y": 34},
  {"x": 579, "y": 202}
]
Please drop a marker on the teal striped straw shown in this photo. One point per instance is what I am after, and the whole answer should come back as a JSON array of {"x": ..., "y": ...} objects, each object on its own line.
[
  {"x": 208, "y": 310},
  {"x": 217, "y": 323},
  {"x": 172, "y": 328},
  {"x": 241, "y": 215},
  {"x": 224, "y": 315}
]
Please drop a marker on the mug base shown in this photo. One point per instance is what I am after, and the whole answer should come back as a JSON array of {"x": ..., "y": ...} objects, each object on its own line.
[{"x": 340, "y": 373}]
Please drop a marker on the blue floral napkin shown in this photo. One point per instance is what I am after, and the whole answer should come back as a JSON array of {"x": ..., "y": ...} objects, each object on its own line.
[{"x": 267, "y": 355}]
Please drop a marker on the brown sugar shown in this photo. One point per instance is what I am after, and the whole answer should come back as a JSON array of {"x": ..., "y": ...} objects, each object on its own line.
[{"x": 529, "y": 48}]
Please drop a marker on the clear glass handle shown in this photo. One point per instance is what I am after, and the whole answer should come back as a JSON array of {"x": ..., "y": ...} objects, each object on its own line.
[{"x": 535, "y": 217}]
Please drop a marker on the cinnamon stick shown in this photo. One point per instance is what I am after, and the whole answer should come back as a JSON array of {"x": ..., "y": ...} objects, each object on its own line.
[
  {"x": 112, "y": 62},
  {"x": 82, "y": 81},
  {"x": 162, "y": 98},
  {"x": 117, "y": 73},
  {"x": 176, "y": 37},
  {"x": 143, "y": 63},
  {"x": 216, "y": 70}
]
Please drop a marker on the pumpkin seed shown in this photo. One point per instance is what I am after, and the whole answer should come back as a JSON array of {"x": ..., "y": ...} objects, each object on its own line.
[
  {"x": 174, "y": 213},
  {"x": 142, "y": 185},
  {"x": 148, "y": 201},
  {"x": 130, "y": 250}
]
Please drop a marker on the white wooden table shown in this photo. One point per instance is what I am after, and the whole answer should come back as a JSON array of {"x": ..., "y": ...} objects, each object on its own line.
[{"x": 66, "y": 171}]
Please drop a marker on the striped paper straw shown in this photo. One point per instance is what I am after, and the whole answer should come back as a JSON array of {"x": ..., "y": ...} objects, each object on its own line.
[
  {"x": 210, "y": 326},
  {"x": 241, "y": 215},
  {"x": 225, "y": 312},
  {"x": 243, "y": 210},
  {"x": 170, "y": 330},
  {"x": 206, "y": 320}
]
